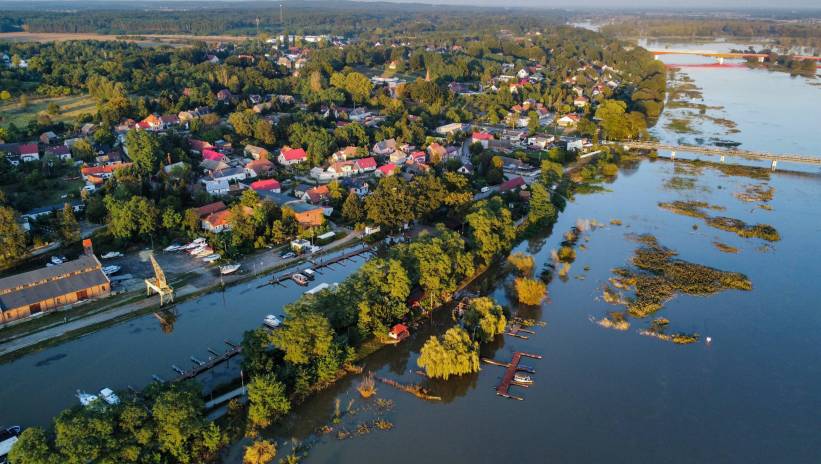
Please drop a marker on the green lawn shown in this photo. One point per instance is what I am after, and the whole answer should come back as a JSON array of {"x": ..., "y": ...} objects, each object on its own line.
[{"x": 70, "y": 108}]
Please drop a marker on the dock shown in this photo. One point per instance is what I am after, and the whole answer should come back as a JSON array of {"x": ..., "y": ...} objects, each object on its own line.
[
  {"x": 203, "y": 366},
  {"x": 320, "y": 263},
  {"x": 515, "y": 329},
  {"x": 503, "y": 389}
]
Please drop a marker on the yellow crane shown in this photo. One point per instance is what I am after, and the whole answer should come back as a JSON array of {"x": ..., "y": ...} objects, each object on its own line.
[{"x": 158, "y": 284}]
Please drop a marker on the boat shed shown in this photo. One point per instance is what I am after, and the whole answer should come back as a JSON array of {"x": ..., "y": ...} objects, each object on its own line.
[{"x": 50, "y": 288}]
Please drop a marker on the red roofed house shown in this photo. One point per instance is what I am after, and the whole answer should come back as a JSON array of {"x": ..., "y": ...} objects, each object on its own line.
[
  {"x": 581, "y": 101},
  {"x": 267, "y": 185},
  {"x": 481, "y": 137},
  {"x": 366, "y": 164},
  {"x": 399, "y": 332},
  {"x": 512, "y": 184},
  {"x": 98, "y": 174},
  {"x": 29, "y": 152},
  {"x": 568, "y": 120},
  {"x": 386, "y": 170},
  {"x": 418, "y": 157},
  {"x": 217, "y": 222},
  {"x": 288, "y": 156},
  {"x": 317, "y": 194},
  {"x": 260, "y": 167},
  {"x": 212, "y": 155},
  {"x": 152, "y": 122},
  {"x": 205, "y": 210}
]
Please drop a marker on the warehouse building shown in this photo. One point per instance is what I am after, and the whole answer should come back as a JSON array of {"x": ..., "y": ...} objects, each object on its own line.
[{"x": 50, "y": 288}]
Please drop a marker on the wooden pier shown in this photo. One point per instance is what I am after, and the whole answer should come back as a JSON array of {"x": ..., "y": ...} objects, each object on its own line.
[
  {"x": 319, "y": 263},
  {"x": 514, "y": 329},
  {"x": 203, "y": 366},
  {"x": 503, "y": 389}
]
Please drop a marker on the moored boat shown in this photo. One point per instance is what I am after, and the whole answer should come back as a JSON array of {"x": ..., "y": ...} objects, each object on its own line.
[
  {"x": 110, "y": 270},
  {"x": 111, "y": 255},
  {"x": 8, "y": 438},
  {"x": 309, "y": 273},
  {"x": 229, "y": 268},
  {"x": 86, "y": 398},
  {"x": 109, "y": 396},
  {"x": 211, "y": 258},
  {"x": 299, "y": 278},
  {"x": 522, "y": 378},
  {"x": 272, "y": 321}
]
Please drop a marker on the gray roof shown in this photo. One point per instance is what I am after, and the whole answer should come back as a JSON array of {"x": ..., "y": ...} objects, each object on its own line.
[{"x": 41, "y": 284}]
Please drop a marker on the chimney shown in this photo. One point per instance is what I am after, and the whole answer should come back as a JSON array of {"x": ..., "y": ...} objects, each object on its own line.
[{"x": 88, "y": 249}]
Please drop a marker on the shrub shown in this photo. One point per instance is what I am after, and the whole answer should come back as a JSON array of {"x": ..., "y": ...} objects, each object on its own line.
[
  {"x": 522, "y": 262},
  {"x": 530, "y": 291}
]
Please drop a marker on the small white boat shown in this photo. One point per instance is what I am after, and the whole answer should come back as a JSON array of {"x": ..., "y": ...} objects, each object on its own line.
[
  {"x": 110, "y": 270},
  {"x": 199, "y": 240},
  {"x": 172, "y": 248},
  {"x": 522, "y": 378},
  {"x": 310, "y": 274},
  {"x": 211, "y": 258},
  {"x": 57, "y": 260},
  {"x": 299, "y": 278},
  {"x": 272, "y": 321},
  {"x": 204, "y": 252},
  {"x": 111, "y": 255},
  {"x": 8, "y": 438},
  {"x": 109, "y": 396},
  {"x": 197, "y": 250},
  {"x": 86, "y": 398},
  {"x": 229, "y": 268}
]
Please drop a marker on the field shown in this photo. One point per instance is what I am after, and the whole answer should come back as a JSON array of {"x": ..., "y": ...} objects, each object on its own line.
[{"x": 70, "y": 108}]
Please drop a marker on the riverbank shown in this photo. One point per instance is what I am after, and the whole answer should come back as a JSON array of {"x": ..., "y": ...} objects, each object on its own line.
[{"x": 126, "y": 308}]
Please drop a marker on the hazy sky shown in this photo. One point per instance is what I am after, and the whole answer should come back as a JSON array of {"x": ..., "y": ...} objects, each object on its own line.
[{"x": 679, "y": 4}]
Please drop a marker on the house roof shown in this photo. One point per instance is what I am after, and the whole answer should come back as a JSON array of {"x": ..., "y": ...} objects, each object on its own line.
[
  {"x": 199, "y": 145},
  {"x": 260, "y": 165},
  {"x": 209, "y": 154},
  {"x": 267, "y": 184},
  {"x": 219, "y": 218},
  {"x": 97, "y": 170},
  {"x": 293, "y": 154},
  {"x": 387, "y": 169},
  {"x": 482, "y": 136},
  {"x": 28, "y": 148},
  {"x": 366, "y": 163},
  {"x": 205, "y": 210},
  {"x": 516, "y": 182},
  {"x": 318, "y": 193}
]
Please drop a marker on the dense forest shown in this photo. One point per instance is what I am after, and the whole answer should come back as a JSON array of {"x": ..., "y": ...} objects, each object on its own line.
[
  {"x": 337, "y": 18},
  {"x": 786, "y": 33}
]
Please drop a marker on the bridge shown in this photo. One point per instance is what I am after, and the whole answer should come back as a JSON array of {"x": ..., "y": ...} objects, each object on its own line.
[
  {"x": 773, "y": 158},
  {"x": 721, "y": 56}
]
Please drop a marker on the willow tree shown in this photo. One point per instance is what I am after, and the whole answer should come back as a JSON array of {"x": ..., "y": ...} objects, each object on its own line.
[
  {"x": 453, "y": 354},
  {"x": 484, "y": 319}
]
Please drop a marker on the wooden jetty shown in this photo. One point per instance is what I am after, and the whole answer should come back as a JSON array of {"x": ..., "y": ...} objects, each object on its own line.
[
  {"x": 514, "y": 329},
  {"x": 415, "y": 390},
  {"x": 503, "y": 389},
  {"x": 319, "y": 263},
  {"x": 203, "y": 366}
]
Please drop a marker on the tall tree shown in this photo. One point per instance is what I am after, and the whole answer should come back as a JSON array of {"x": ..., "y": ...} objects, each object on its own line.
[
  {"x": 12, "y": 237},
  {"x": 144, "y": 150}
]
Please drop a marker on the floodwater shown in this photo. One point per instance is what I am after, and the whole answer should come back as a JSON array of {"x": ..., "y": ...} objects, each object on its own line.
[
  {"x": 751, "y": 395},
  {"x": 773, "y": 111},
  {"x": 37, "y": 386}
]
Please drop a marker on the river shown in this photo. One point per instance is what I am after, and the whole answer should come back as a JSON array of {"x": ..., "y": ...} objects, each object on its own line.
[
  {"x": 600, "y": 395},
  {"x": 38, "y": 386}
]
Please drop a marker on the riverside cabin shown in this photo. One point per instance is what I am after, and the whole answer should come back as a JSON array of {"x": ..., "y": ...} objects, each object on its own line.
[
  {"x": 399, "y": 332},
  {"x": 51, "y": 288}
]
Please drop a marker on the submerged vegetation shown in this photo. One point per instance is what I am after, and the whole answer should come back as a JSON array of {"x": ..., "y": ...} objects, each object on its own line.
[
  {"x": 725, "y": 248},
  {"x": 742, "y": 229},
  {"x": 690, "y": 208},
  {"x": 615, "y": 320},
  {"x": 659, "y": 276},
  {"x": 756, "y": 193}
]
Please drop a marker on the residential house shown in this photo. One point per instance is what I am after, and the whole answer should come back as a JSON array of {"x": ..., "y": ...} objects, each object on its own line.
[
  {"x": 198, "y": 146},
  {"x": 452, "y": 128},
  {"x": 256, "y": 152},
  {"x": 205, "y": 210},
  {"x": 217, "y": 222},
  {"x": 366, "y": 164},
  {"x": 347, "y": 153},
  {"x": 224, "y": 95},
  {"x": 213, "y": 155},
  {"x": 267, "y": 185},
  {"x": 540, "y": 142},
  {"x": 466, "y": 169},
  {"x": 76, "y": 205},
  {"x": 306, "y": 215},
  {"x": 259, "y": 168},
  {"x": 289, "y": 156},
  {"x": 418, "y": 157},
  {"x": 386, "y": 170},
  {"x": 58, "y": 151},
  {"x": 568, "y": 120},
  {"x": 316, "y": 195},
  {"x": 397, "y": 157},
  {"x": 230, "y": 175},
  {"x": 512, "y": 184},
  {"x": 385, "y": 147},
  {"x": 98, "y": 174},
  {"x": 482, "y": 138},
  {"x": 581, "y": 101}
]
